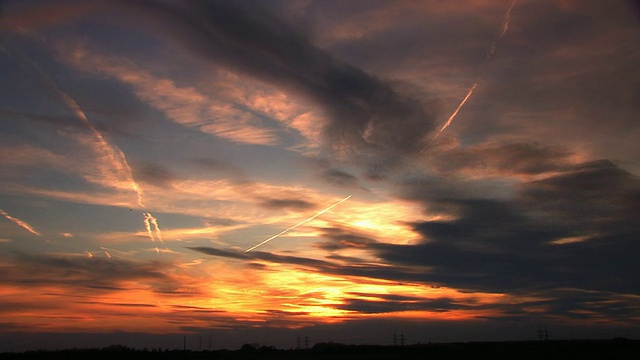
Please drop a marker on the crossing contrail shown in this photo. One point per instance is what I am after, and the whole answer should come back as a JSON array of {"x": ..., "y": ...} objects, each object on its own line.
[
  {"x": 298, "y": 224},
  {"x": 20, "y": 223}
]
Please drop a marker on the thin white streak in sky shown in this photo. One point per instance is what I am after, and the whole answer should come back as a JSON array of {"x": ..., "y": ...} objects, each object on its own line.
[
  {"x": 298, "y": 224},
  {"x": 453, "y": 115},
  {"x": 154, "y": 221},
  {"x": 153, "y": 229},
  {"x": 113, "y": 154},
  {"x": 492, "y": 49},
  {"x": 505, "y": 27},
  {"x": 507, "y": 19},
  {"x": 20, "y": 223}
]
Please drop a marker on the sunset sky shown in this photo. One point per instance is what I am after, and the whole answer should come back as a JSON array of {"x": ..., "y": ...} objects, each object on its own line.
[{"x": 258, "y": 171}]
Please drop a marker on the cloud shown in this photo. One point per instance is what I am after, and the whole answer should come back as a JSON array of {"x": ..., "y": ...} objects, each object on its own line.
[
  {"x": 82, "y": 271},
  {"x": 500, "y": 159},
  {"x": 364, "y": 113},
  {"x": 109, "y": 165},
  {"x": 389, "y": 305},
  {"x": 294, "y": 204},
  {"x": 511, "y": 246},
  {"x": 222, "y": 115},
  {"x": 79, "y": 165},
  {"x": 341, "y": 238},
  {"x": 196, "y": 309},
  {"x": 133, "y": 305},
  {"x": 507, "y": 246},
  {"x": 596, "y": 196},
  {"x": 355, "y": 267},
  {"x": 46, "y": 14},
  {"x": 20, "y": 223},
  {"x": 47, "y": 119},
  {"x": 544, "y": 75},
  {"x": 340, "y": 178},
  {"x": 265, "y": 256},
  {"x": 154, "y": 174},
  {"x": 231, "y": 254}
]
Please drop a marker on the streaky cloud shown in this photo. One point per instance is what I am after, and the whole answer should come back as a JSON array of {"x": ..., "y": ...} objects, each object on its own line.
[
  {"x": 114, "y": 170},
  {"x": 220, "y": 252},
  {"x": 365, "y": 114},
  {"x": 20, "y": 223}
]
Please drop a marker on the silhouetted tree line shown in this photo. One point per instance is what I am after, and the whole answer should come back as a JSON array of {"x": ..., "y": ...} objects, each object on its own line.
[{"x": 587, "y": 349}]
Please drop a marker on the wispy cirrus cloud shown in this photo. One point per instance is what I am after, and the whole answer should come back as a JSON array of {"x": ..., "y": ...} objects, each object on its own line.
[
  {"x": 363, "y": 112},
  {"x": 226, "y": 114},
  {"x": 506, "y": 159},
  {"x": 109, "y": 165},
  {"x": 25, "y": 156}
]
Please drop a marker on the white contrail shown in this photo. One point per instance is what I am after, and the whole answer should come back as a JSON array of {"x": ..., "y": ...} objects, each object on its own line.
[
  {"x": 471, "y": 90},
  {"x": 505, "y": 27},
  {"x": 116, "y": 157},
  {"x": 492, "y": 49},
  {"x": 147, "y": 225},
  {"x": 110, "y": 152},
  {"x": 113, "y": 156},
  {"x": 20, "y": 223},
  {"x": 156, "y": 227},
  {"x": 298, "y": 224},
  {"x": 507, "y": 19},
  {"x": 153, "y": 229},
  {"x": 453, "y": 115}
]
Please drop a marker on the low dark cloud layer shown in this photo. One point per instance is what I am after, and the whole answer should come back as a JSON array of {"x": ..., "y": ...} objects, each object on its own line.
[
  {"x": 388, "y": 305},
  {"x": 340, "y": 178},
  {"x": 339, "y": 238},
  {"x": 501, "y": 159},
  {"x": 574, "y": 229},
  {"x": 82, "y": 271},
  {"x": 295, "y": 204},
  {"x": 154, "y": 174}
]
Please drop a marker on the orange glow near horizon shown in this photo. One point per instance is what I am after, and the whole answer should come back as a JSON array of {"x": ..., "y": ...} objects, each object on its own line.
[{"x": 213, "y": 299}]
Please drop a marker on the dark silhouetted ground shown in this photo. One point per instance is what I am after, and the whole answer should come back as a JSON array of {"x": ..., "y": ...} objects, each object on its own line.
[{"x": 578, "y": 349}]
